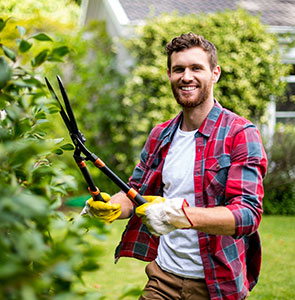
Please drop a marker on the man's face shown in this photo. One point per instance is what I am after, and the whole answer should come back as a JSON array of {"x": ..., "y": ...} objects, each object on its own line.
[{"x": 191, "y": 78}]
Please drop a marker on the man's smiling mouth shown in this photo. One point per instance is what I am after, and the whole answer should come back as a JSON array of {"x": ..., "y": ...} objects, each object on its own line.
[{"x": 188, "y": 88}]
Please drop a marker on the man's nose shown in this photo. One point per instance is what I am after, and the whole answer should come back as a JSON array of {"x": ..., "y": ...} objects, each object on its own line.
[{"x": 187, "y": 75}]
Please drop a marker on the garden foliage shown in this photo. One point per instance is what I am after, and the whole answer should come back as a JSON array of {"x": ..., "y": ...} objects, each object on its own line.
[
  {"x": 279, "y": 183},
  {"x": 42, "y": 253}
]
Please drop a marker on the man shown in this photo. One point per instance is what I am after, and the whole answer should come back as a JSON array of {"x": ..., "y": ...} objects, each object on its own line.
[{"x": 207, "y": 164}]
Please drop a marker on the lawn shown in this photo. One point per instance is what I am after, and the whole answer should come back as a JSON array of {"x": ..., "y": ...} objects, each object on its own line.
[{"x": 277, "y": 279}]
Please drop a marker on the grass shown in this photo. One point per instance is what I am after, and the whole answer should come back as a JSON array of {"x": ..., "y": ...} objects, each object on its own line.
[
  {"x": 277, "y": 279},
  {"x": 276, "y": 282},
  {"x": 112, "y": 280}
]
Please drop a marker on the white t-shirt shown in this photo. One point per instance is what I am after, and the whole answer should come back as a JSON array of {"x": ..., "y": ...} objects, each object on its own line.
[{"x": 179, "y": 251}]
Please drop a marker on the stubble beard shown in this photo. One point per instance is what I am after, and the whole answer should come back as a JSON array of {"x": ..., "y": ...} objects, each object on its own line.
[{"x": 204, "y": 94}]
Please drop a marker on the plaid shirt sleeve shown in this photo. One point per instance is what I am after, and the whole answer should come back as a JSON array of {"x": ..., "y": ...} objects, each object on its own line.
[{"x": 244, "y": 189}]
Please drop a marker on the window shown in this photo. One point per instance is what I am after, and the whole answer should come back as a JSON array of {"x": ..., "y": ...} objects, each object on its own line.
[{"x": 285, "y": 107}]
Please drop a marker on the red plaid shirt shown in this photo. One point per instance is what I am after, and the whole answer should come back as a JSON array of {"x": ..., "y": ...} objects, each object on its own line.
[{"x": 230, "y": 164}]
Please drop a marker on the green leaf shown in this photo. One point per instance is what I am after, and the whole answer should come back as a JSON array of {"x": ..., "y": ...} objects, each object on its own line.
[
  {"x": 53, "y": 109},
  {"x": 90, "y": 266},
  {"x": 21, "y": 30},
  {"x": 4, "y": 99},
  {"x": 57, "y": 141},
  {"x": 5, "y": 71},
  {"x": 57, "y": 53},
  {"x": 33, "y": 82},
  {"x": 60, "y": 51},
  {"x": 40, "y": 58},
  {"x": 13, "y": 112},
  {"x": 9, "y": 53},
  {"x": 58, "y": 151},
  {"x": 3, "y": 23},
  {"x": 24, "y": 46},
  {"x": 131, "y": 290},
  {"x": 22, "y": 83},
  {"x": 28, "y": 293},
  {"x": 40, "y": 115},
  {"x": 63, "y": 271},
  {"x": 68, "y": 146},
  {"x": 42, "y": 37},
  {"x": 8, "y": 269}
]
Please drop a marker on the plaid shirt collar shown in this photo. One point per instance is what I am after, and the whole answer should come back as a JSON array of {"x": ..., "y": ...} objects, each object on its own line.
[
  {"x": 210, "y": 121},
  {"x": 205, "y": 129}
]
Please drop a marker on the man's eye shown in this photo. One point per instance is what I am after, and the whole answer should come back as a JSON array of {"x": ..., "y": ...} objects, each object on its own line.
[{"x": 178, "y": 70}]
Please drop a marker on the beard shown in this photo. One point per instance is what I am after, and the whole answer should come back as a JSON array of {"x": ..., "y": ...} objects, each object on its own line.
[{"x": 189, "y": 101}]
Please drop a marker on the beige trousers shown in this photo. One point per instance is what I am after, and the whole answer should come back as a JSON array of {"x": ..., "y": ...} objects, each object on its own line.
[{"x": 166, "y": 286}]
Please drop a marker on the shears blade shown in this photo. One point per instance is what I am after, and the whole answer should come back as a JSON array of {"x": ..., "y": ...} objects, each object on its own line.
[
  {"x": 69, "y": 119},
  {"x": 68, "y": 106}
]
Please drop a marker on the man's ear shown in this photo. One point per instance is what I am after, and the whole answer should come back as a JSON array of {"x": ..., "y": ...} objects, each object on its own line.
[
  {"x": 169, "y": 73},
  {"x": 216, "y": 74}
]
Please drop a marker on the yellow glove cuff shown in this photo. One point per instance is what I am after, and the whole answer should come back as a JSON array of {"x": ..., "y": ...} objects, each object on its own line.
[{"x": 153, "y": 198}]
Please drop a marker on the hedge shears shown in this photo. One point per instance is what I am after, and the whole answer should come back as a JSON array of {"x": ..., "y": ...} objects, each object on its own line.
[{"x": 79, "y": 141}]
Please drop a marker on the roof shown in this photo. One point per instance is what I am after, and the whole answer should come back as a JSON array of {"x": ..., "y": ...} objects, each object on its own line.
[{"x": 273, "y": 12}]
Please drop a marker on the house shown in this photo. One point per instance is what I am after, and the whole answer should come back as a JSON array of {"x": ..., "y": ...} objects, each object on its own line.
[{"x": 279, "y": 15}]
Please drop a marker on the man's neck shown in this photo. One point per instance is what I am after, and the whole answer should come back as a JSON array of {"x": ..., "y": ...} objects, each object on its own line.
[{"x": 193, "y": 117}]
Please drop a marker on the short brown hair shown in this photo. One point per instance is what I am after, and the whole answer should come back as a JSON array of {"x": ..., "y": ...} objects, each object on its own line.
[{"x": 191, "y": 40}]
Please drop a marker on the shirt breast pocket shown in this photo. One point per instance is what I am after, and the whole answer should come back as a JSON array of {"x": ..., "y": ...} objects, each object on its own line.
[{"x": 215, "y": 178}]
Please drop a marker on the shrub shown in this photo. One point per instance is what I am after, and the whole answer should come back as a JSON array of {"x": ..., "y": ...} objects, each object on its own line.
[
  {"x": 42, "y": 254},
  {"x": 279, "y": 184}
]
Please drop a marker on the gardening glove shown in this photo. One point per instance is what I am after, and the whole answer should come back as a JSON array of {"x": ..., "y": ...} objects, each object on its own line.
[
  {"x": 162, "y": 216},
  {"x": 106, "y": 211}
]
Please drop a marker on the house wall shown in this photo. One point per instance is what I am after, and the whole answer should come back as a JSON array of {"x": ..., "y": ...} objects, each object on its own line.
[
  {"x": 117, "y": 24},
  {"x": 98, "y": 10}
]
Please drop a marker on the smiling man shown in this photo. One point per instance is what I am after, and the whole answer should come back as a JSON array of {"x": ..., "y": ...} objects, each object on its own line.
[
  {"x": 192, "y": 76},
  {"x": 204, "y": 170}
]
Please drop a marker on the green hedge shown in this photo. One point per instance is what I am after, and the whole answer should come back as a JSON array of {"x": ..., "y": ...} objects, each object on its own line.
[{"x": 279, "y": 183}]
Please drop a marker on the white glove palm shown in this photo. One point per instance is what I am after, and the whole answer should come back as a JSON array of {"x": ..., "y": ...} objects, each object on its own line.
[{"x": 164, "y": 215}]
